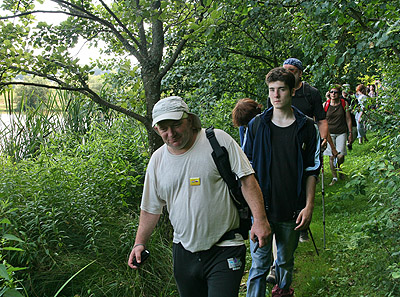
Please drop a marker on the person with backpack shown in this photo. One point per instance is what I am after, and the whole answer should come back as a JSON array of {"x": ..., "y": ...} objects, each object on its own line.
[
  {"x": 339, "y": 121},
  {"x": 361, "y": 91},
  {"x": 351, "y": 100},
  {"x": 208, "y": 253},
  {"x": 283, "y": 145},
  {"x": 244, "y": 110}
]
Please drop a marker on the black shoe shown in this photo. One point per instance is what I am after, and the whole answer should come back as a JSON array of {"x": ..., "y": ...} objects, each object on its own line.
[{"x": 350, "y": 146}]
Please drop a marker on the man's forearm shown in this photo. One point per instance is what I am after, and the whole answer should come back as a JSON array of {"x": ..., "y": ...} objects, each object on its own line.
[
  {"x": 253, "y": 195},
  {"x": 147, "y": 223}
]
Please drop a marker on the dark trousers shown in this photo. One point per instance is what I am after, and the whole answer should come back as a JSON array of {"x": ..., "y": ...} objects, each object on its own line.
[{"x": 216, "y": 272}]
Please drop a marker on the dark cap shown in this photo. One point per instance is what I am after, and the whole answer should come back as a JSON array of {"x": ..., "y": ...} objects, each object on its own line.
[{"x": 295, "y": 62}]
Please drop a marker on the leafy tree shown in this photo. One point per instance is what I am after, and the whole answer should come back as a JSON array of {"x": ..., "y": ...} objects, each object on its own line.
[
  {"x": 338, "y": 41},
  {"x": 154, "y": 32}
]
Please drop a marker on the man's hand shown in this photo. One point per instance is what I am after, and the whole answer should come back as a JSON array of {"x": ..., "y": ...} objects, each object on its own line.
[
  {"x": 136, "y": 253},
  {"x": 262, "y": 230}
]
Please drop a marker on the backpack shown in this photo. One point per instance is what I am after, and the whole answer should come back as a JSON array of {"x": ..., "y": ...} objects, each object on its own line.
[
  {"x": 221, "y": 159},
  {"x": 328, "y": 102}
]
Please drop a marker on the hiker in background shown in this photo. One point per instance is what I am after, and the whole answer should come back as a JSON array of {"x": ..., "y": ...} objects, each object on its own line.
[
  {"x": 361, "y": 92},
  {"x": 351, "y": 100},
  {"x": 339, "y": 120},
  {"x": 372, "y": 91},
  {"x": 283, "y": 146},
  {"x": 208, "y": 254},
  {"x": 244, "y": 110}
]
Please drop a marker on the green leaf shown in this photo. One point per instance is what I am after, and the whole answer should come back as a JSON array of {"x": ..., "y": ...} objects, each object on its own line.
[
  {"x": 5, "y": 221},
  {"x": 3, "y": 272},
  {"x": 396, "y": 274},
  {"x": 13, "y": 293},
  {"x": 12, "y": 237},
  {"x": 9, "y": 248}
]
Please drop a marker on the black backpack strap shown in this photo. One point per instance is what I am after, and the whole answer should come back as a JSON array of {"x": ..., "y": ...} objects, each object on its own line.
[
  {"x": 255, "y": 125},
  {"x": 221, "y": 159},
  {"x": 214, "y": 142}
]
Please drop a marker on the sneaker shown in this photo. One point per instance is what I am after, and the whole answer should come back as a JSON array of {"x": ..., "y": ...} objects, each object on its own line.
[
  {"x": 303, "y": 236},
  {"x": 350, "y": 146},
  {"x": 278, "y": 292},
  {"x": 271, "y": 276}
]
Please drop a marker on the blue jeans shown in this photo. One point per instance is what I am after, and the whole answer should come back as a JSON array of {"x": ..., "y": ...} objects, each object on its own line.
[{"x": 286, "y": 241}]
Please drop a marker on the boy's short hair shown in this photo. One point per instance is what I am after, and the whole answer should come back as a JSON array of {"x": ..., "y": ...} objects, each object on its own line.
[{"x": 281, "y": 74}]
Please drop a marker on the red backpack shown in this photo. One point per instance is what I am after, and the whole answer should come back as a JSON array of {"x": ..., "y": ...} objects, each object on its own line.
[{"x": 328, "y": 102}]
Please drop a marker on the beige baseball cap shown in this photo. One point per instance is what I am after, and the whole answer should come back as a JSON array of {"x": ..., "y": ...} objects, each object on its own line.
[{"x": 172, "y": 108}]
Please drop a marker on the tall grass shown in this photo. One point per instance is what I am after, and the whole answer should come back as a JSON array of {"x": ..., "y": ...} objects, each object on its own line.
[{"x": 75, "y": 199}]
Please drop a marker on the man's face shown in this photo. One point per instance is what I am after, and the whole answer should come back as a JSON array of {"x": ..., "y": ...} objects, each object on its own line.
[
  {"x": 296, "y": 72},
  {"x": 177, "y": 134},
  {"x": 280, "y": 94}
]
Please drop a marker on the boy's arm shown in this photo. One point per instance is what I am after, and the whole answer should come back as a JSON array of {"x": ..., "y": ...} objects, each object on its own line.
[
  {"x": 304, "y": 218},
  {"x": 312, "y": 171}
]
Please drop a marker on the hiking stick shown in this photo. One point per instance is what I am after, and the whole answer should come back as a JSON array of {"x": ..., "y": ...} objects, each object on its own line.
[
  {"x": 336, "y": 163},
  {"x": 312, "y": 238},
  {"x": 323, "y": 197}
]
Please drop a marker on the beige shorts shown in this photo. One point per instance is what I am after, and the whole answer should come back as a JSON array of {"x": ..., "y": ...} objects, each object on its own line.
[{"x": 339, "y": 140}]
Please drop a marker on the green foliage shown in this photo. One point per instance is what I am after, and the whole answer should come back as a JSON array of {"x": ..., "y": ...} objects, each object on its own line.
[
  {"x": 9, "y": 284},
  {"x": 72, "y": 194}
]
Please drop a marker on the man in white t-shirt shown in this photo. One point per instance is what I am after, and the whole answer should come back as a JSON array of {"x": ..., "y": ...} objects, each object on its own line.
[{"x": 209, "y": 256}]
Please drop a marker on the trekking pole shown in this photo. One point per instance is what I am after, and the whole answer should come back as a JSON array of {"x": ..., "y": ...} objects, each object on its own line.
[
  {"x": 323, "y": 197},
  {"x": 312, "y": 238},
  {"x": 336, "y": 165}
]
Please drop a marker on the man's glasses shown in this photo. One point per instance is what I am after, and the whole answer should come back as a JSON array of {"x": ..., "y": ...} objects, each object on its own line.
[{"x": 334, "y": 92}]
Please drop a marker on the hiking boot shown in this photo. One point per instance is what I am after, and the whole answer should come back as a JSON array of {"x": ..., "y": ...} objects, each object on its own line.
[
  {"x": 303, "y": 236},
  {"x": 278, "y": 292},
  {"x": 271, "y": 276}
]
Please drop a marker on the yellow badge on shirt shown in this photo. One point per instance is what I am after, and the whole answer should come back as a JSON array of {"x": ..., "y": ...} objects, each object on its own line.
[{"x": 195, "y": 181}]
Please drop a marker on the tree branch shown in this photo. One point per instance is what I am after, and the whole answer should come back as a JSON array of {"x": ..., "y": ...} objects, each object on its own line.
[{"x": 80, "y": 12}]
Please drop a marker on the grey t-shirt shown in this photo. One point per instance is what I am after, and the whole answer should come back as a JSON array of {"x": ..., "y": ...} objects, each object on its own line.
[{"x": 197, "y": 199}]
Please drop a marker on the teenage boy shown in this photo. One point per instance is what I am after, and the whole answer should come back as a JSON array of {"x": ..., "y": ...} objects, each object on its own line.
[{"x": 283, "y": 146}]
